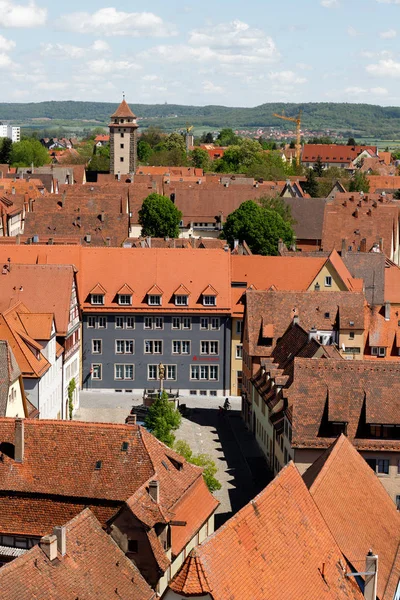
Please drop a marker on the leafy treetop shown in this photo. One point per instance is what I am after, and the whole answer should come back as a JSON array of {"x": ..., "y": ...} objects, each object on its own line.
[
  {"x": 159, "y": 217},
  {"x": 163, "y": 419}
]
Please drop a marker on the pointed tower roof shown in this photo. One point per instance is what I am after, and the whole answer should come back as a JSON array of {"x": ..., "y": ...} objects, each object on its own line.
[{"x": 123, "y": 110}]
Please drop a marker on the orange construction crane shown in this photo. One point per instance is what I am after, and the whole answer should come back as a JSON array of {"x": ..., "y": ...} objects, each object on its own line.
[{"x": 296, "y": 120}]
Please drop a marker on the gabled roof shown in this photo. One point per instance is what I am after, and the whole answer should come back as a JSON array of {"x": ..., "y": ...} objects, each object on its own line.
[
  {"x": 38, "y": 326},
  {"x": 343, "y": 272},
  {"x": 123, "y": 110},
  {"x": 336, "y": 153},
  {"x": 209, "y": 291},
  {"x": 93, "y": 567},
  {"x": 360, "y": 393},
  {"x": 125, "y": 290},
  {"x": 357, "y": 509},
  {"x": 181, "y": 291},
  {"x": 98, "y": 289},
  {"x": 278, "y": 546},
  {"x": 155, "y": 290}
]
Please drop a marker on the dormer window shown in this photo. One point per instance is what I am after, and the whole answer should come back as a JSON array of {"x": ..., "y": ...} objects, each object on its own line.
[
  {"x": 155, "y": 299},
  {"x": 97, "y": 299},
  {"x": 209, "y": 300},
  {"x": 181, "y": 300},
  {"x": 125, "y": 299}
]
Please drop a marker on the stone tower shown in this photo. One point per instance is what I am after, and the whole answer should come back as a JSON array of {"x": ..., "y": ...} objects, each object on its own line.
[{"x": 123, "y": 140}]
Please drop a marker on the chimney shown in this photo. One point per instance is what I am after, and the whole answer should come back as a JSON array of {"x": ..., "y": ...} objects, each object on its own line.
[
  {"x": 355, "y": 213},
  {"x": 148, "y": 239},
  {"x": 61, "y": 535},
  {"x": 344, "y": 202},
  {"x": 344, "y": 247},
  {"x": 371, "y": 577},
  {"x": 30, "y": 205},
  {"x": 236, "y": 244},
  {"x": 63, "y": 199},
  {"x": 108, "y": 241},
  {"x": 387, "y": 311},
  {"x": 281, "y": 247},
  {"x": 13, "y": 190},
  {"x": 381, "y": 244},
  {"x": 102, "y": 216},
  {"x": 363, "y": 245},
  {"x": 296, "y": 319},
  {"x": 352, "y": 198},
  {"x": 51, "y": 241},
  {"x": 131, "y": 420},
  {"x": 19, "y": 441},
  {"x": 48, "y": 544},
  {"x": 154, "y": 490}
]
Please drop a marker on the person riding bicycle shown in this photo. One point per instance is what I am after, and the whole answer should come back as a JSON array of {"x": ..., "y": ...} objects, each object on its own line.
[{"x": 227, "y": 404}]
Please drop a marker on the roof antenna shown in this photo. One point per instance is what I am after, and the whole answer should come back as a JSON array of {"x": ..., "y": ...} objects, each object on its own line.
[{"x": 123, "y": 95}]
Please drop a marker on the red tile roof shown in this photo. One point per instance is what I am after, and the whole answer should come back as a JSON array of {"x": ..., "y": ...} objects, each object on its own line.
[
  {"x": 357, "y": 509},
  {"x": 334, "y": 153},
  {"x": 278, "y": 546},
  {"x": 123, "y": 110},
  {"x": 377, "y": 183},
  {"x": 93, "y": 567}
]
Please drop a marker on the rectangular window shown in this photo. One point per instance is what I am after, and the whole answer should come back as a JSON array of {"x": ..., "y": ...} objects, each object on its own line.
[
  {"x": 152, "y": 371},
  {"x": 378, "y": 351},
  {"x": 119, "y": 322},
  {"x": 213, "y": 373},
  {"x": 153, "y": 347},
  {"x": 124, "y": 346},
  {"x": 181, "y": 300},
  {"x": 124, "y": 322},
  {"x": 215, "y": 323},
  {"x": 209, "y": 300},
  {"x": 97, "y": 299},
  {"x": 121, "y": 145},
  {"x": 328, "y": 281},
  {"x": 239, "y": 327},
  {"x": 124, "y": 372},
  {"x": 96, "y": 346},
  {"x": 186, "y": 323},
  {"x": 398, "y": 502},
  {"x": 209, "y": 347},
  {"x": 124, "y": 299},
  {"x": 176, "y": 322},
  {"x": 102, "y": 322},
  {"x": 154, "y": 322},
  {"x": 180, "y": 347},
  {"x": 195, "y": 372},
  {"x": 351, "y": 335},
  {"x": 204, "y": 372},
  {"x": 96, "y": 371},
  {"x": 171, "y": 372},
  {"x": 121, "y": 159},
  {"x": 91, "y": 322},
  {"x": 383, "y": 466},
  {"x": 203, "y": 323},
  {"x": 154, "y": 300},
  {"x": 239, "y": 351},
  {"x": 130, "y": 322}
]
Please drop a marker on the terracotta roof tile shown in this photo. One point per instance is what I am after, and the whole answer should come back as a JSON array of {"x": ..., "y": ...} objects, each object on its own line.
[
  {"x": 123, "y": 110},
  {"x": 335, "y": 153},
  {"x": 275, "y": 547},
  {"x": 357, "y": 509}
]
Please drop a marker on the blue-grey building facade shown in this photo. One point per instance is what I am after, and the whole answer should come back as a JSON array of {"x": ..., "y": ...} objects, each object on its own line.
[{"x": 124, "y": 351}]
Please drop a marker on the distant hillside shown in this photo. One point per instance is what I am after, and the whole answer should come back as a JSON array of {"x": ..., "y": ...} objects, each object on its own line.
[{"x": 364, "y": 120}]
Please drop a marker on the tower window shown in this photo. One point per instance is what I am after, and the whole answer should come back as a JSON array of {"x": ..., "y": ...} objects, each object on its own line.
[
  {"x": 121, "y": 159},
  {"x": 122, "y": 135},
  {"x": 121, "y": 145}
]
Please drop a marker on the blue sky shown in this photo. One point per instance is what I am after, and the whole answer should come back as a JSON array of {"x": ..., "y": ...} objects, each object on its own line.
[{"x": 232, "y": 52}]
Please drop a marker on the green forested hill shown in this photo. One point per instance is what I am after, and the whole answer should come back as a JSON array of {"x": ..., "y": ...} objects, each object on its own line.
[{"x": 361, "y": 119}]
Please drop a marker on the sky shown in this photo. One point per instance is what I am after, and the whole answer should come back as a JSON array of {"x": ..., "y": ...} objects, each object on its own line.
[{"x": 225, "y": 52}]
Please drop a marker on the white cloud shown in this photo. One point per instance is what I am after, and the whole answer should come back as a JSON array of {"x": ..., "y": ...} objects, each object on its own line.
[
  {"x": 379, "y": 91},
  {"x": 5, "y": 61},
  {"x": 286, "y": 78},
  {"x": 6, "y": 44},
  {"x": 352, "y": 32},
  {"x": 388, "y": 1},
  {"x": 150, "y": 78},
  {"x": 102, "y": 66},
  {"x": 69, "y": 51},
  {"x": 52, "y": 85},
  {"x": 210, "y": 88},
  {"x": 110, "y": 22},
  {"x": 21, "y": 15},
  {"x": 234, "y": 43},
  {"x": 304, "y": 66},
  {"x": 388, "y": 35},
  {"x": 384, "y": 68},
  {"x": 329, "y": 3}
]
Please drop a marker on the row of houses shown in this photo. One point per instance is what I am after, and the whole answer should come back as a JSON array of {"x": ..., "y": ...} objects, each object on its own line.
[{"x": 138, "y": 522}]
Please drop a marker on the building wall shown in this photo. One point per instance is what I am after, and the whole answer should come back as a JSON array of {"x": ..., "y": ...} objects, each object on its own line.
[
  {"x": 236, "y": 363},
  {"x": 170, "y": 595},
  {"x": 356, "y": 342},
  {"x": 15, "y": 406},
  {"x": 117, "y": 140},
  {"x": 109, "y": 358},
  {"x": 50, "y": 391},
  {"x": 328, "y": 271},
  {"x": 263, "y": 428}
]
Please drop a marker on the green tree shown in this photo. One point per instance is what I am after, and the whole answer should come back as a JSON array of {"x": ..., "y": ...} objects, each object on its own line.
[
  {"x": 152, "y": 136},
  {"x": 144, "y": 151},
  {"x": 159, "y": 217},
  {"x": 260, "y": 227},
  {"x": 28, "y": 152},
  {"x": 5, "y": 151},
  {"x": 99, "y": 163},
  {"x": 279, "y": 206},
  {"x": 200, "y": 159},
  {"x": 292, "y": 144},
  {"x": 311, "y": 185},
  {"x": 207, "y": 138},
  {"x": 71, "y": 389},
  {"x": 396, "y": 195},
  {"x": 175, "y": 141},
  {"x": 318, "y": 167},
  {"x": 359, "y": 183},
  {"x": 163, "y": 419},
  {"x": 227, "y": 137},
  {"x": 201, "y": 460},
  {"x": 351, "y": 141}
]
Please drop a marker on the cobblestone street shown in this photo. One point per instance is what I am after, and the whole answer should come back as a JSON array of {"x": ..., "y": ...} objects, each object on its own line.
[{"x": 242, "y": 470}]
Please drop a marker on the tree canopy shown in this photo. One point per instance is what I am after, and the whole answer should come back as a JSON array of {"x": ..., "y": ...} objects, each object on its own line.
[
  {"x": 163, "y": 419},
  {"x": 261, "y": 228},
  {"x": 28, "y": 152},
  {"x": 311, "y": 184},
  {"x": 200, "y": 159},
  {"x": 359, "y": 183},
  {"x": 201, "y": 460},
  {"x": 5, "y": 151},
  {"x": 159, "y": 217}
]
